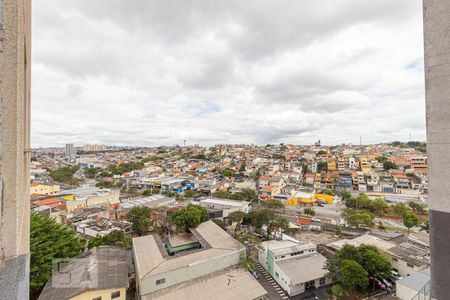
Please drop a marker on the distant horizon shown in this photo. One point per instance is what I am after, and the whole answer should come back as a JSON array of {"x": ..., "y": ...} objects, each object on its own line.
[{"x": 223, "y": 144}]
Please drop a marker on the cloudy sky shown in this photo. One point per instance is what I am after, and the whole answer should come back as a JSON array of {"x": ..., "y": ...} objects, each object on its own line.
[{"x": 144, "y": 72}]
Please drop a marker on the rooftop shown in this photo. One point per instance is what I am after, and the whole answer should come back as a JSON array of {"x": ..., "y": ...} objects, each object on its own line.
[
  {"x": 232, "y": 283},
  {"x": 304, "y": 269},
  {"x": 104, "y": 267},
  {"x": 215, "y": 242}
]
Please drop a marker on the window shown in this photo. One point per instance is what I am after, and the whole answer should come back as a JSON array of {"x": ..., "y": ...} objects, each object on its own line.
[
  {"x": 322, "y": 281},
  {"x": 160, "y": 281},
  {"x": 115, "y": 295},
  {"x": 97, "y": 298}
]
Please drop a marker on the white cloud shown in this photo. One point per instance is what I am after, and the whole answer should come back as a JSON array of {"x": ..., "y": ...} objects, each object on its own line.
[{"x": 157, "y": 72}]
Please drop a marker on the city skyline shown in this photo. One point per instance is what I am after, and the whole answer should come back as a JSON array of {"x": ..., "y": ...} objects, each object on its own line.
[{"x": 227, "y": 73}]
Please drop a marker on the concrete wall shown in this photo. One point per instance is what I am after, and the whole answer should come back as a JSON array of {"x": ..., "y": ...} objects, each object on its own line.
[
  {"x": 201, "y": 268},
  {"x": 15, "y": 61},
  {"x": 437, "y": 83}
]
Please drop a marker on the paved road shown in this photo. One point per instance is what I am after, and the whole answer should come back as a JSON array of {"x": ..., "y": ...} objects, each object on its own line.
[{"x": 274, "y": 291}]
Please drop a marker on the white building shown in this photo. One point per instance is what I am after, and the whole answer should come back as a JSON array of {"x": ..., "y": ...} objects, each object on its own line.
[{"x": 295, "y": 267}]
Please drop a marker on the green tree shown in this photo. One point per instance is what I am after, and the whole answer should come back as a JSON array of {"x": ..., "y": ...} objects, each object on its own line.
[
  {"x": 353, "y": 276},
  {"x": 227, "y": 172},
  {"x": 237, "y": 217},
  {"x": 358, "y": 219},
  {"x": 189, "y": 217},
  {"x": 258, "y": 218},
  {"x": 114, "y": 238},
  {"x": 91, "y": 172},
  {"x": 139, "y": 216},
  {"x": 273, "y": 203},
  {"x": 309, "y": 211},
  {"x": 249, "y": 194},
  {"x": 364, "y": 257},
  {"x": 380, "y": 206},
  {"x": 277, "y": 224},
  {"x": 328, "y": 192},
  {"x": 192, "y": 194},
  {"x": 381, "y": 159},
  {"x": 345, "y": 195},
  {"x": 64, "y": 174},
  {"x": 387, "y": 165},
  {"x": 399, "y": 209},
  {"x": 410, "y": 220},
  {"x": 49, "y": 240}
]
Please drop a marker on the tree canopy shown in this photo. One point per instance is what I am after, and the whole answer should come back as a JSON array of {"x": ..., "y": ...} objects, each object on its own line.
[
  {"x": 273, "y": 203},
  {"x": 189, "y": 217},
  {"x": 64, "y": 174},
  {"x": 358, "y": 219},
  {"x": 410, "y": 220},
  {"x": 352, "y": 266},
  {"x": 115, "y": 238},
  {"x": 139, "y": 216},
  {"x": 49, "y": 240}
]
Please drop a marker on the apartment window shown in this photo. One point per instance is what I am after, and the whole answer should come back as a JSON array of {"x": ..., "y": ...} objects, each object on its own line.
[
  {"x": 322, "y": 281},
  {"x": 160, "y": 281},
  {"x": 97, "y": 298},
  {"x": 115, "y": 295}
]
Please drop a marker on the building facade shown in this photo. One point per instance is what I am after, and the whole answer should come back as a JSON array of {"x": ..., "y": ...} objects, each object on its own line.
[{"x": 15, "y": 61}]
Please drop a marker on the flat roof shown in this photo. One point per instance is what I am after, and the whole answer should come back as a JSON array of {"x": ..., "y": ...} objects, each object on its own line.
[
  {"x": 416, "y": 281},
  {"x": 304, "y": 269},
  {"x": 232, "y": 283},
  {"x": 364, "y": 239},
  {"x": 182, "y": 239}
]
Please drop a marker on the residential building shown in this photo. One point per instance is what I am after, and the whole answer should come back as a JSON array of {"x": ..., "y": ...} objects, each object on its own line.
[
  {"x": 94, "y": 148},
  {"x": 100, "y": 273},
  {"x": 294, "y": 266},
  {"x": 70, "y": 150},
  {"x": 39, "y": 188}
]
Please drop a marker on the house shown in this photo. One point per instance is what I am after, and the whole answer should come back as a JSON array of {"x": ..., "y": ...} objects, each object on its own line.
[
  {"x": 44, "y": 189},
  {"x": 201, "y": 265},
  {"x": 409, "y": 287},
  {"x": 100, "y": 273},
  {"x": 294, "y": 266}
]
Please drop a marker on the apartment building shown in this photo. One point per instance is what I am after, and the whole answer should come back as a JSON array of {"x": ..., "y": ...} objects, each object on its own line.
[{"x": 39, "y": 188}]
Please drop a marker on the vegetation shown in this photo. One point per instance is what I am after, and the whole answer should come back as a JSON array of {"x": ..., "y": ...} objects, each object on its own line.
[
  {"x": 273, "y": 203},
  {"x": 115, "y": 238},
  {"x": 139, "y": 216},
  {"x": 91, "y": 172},
  {"x": 410, "y": 220},
  {"x": 309, "y": 211},
  {"x": 192, "y": 194},
  {"x": 237, "y": 217},
  {"x": 399, "y": 209},
  {"x": 126, "y": 167},
  {"x": 387, "y": 165},
  {"x": 345, "y": 195},
  {"x": 227, "y": 172},
  {"x": 104, "y": 184},
  {"x": 245, "y": 194},
  {"x": 328, "y": 192},
  {"x": 358, "y": 219},
  {"x": 49, "y": 240},
  {"x": 189, "y": 217},
  {"x": 64, "y": 174},
  {"x": 352, "y": 266}
]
